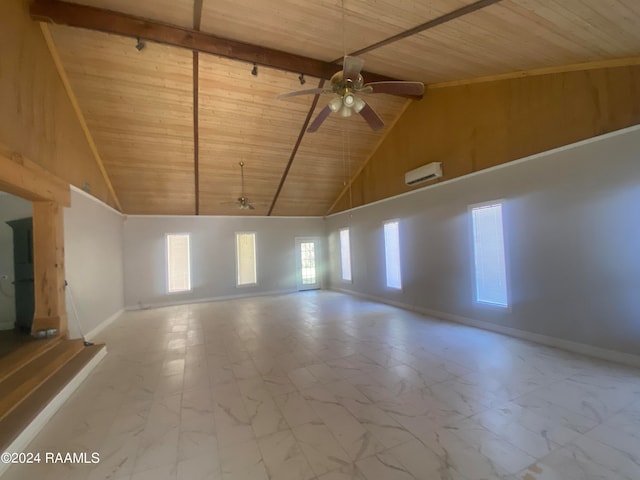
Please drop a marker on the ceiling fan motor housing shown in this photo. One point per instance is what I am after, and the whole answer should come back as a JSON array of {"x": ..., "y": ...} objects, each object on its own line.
[{"x": 340, "y": 86}]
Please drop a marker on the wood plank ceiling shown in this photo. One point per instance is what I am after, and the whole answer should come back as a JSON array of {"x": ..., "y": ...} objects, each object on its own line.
[{"x": 139, "y": 106}]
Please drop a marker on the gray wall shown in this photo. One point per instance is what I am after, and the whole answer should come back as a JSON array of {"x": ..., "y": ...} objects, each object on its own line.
[
  {"x": 11, "y": 208},
  {"x": 93, "y": 236},
  {"x": 213, "y": 267},
  {"x": 572, "y": 234}
]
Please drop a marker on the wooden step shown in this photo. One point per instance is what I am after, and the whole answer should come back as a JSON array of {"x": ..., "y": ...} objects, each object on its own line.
[
  {"x": 21, "y": 383},
  {"x": 27, "y": 351},
  {"x": 21, "y": 416}
]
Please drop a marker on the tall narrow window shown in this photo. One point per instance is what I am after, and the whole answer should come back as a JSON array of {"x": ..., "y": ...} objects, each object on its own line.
[
  {"x": 345, "y": 255},
  {"x": 392, "y": 254},
  {"x": 488, "y": 249},
  {"x": 246, "y": 258},
  {"x": 178, "y": 263}
]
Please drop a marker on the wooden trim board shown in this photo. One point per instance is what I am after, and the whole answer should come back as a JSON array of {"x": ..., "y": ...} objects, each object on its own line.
[
  {"x": 74, "y": 102},
  {"x": 573, "y": 67}
]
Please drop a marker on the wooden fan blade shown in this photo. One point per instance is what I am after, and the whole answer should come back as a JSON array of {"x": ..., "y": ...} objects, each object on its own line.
[
  {"x": 411, "y": 89},
  {"x": 372, "y": 118},
  {"x": 310, "y": 91},
  {"x": 351, "y": 67},
  {"x": 322, "y": 116}
]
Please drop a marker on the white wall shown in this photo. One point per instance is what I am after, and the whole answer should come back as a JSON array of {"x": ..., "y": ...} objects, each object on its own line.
[
  {"x": 93, "y": 235},
  {"x": 11, "y": 208},
  {"x": 572, "y": 234},
  {"x": 213, "y": 262}
]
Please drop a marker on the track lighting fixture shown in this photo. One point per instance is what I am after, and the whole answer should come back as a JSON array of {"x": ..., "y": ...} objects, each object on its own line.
[
  {"x": 254, "y": 70},
  {"x": 301, "y": 78},
  {"x": 139, "y": 45}
]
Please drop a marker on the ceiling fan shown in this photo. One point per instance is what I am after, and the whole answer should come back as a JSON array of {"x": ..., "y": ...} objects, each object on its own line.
[
  {"x": 242, "y": 202},
  {"x": 346, "y": 87}
]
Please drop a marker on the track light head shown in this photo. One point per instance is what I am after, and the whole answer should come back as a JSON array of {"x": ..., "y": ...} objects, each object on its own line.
[
  {"x": 254, "y": 70},
  {"x": 140, "y": 45},
  {"x": 301, "y": 78}
]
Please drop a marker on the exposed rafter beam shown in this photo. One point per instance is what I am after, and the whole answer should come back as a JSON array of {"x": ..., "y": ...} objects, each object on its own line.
[
  {"x": 303, "y": 130},
  {"x": 197, "y": 14},
  {"x": 447, "y": 17},
  {"x": 196, "y": 133},
  {"x": 92, "y": 18},
  {"x": 197, "y": 18}
]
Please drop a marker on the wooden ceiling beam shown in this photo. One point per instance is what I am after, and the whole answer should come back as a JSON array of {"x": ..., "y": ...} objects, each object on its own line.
[
  {"x": 197, "y": 14},
  {"x": 92, "y": 18},
  {"x": 447, "y": 17},
  {"x": 197, "y": 19},
  {"x": 295, "y": 148},
  {"x": 26, "y": 179},
  {"x": 196, "y": 133}
]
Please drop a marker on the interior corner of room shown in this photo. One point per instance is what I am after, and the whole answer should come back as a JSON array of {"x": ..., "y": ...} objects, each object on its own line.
[{"x": 171, "y": 160}]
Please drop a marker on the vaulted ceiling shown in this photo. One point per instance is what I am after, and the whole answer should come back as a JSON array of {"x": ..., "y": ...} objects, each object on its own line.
[{"x": 170, "y": 126}]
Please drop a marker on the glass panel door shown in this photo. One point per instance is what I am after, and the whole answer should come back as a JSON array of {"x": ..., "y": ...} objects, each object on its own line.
[{"x": 307, "y": 263}]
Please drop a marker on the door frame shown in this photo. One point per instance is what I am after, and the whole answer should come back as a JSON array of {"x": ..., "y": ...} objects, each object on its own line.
[{"x": 318, "y": 256}]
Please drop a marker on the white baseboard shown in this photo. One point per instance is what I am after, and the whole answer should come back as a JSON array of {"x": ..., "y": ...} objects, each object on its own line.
[
  {"x": 30, "y": 432},
  {"x": 208, "y": 299},
  {"x": 104, "y": 324},
  {"x": 581, "y": 348}
]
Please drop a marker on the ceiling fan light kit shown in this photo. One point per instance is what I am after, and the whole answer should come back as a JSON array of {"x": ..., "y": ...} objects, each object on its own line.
[{"x": 335, "y": 104}]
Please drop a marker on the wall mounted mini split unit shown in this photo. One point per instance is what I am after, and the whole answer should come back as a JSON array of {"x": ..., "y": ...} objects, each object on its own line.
[{"x": 425, "y": 173}]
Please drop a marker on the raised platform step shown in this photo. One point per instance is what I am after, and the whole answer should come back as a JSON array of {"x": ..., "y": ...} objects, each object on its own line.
[
  {"x": 17, "y": 386},
  {"x": 30, "y": 407},
  {"x": 26, "y": 352}
]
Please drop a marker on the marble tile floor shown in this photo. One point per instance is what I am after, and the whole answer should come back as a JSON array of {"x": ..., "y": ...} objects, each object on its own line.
[{"x": 321, "y": 385}]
